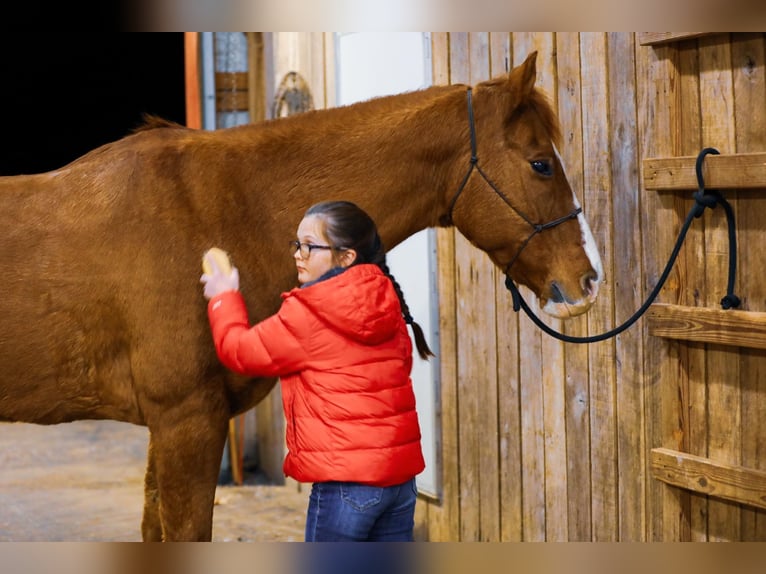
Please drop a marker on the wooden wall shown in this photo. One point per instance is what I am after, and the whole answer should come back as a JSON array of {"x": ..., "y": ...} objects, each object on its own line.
[
  {"x": 658, "y": 434},
  {"x": 551, "y": 441}
]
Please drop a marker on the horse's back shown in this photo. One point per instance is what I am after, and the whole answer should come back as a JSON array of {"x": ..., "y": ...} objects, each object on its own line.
[{"x": 98, "y": 283}]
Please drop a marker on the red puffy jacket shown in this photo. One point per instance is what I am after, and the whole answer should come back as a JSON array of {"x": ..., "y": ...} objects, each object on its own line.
[{"x": 344, "y": 356}]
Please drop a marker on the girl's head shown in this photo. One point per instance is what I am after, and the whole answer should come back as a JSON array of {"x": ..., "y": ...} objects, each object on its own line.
[
  {"x": 335, "y": 234},
  {"x": 341, "y": 234}
]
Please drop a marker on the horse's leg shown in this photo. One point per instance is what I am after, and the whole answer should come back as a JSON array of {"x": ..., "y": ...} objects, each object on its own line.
[
  {"x": 186, "y": 450},
  {"x": 151, "y": 525}
]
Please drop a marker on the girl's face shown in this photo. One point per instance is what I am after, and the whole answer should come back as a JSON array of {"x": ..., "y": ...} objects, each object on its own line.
[
  {"x": 315, "y": 257},
  {"x": 318, "y": 258}
]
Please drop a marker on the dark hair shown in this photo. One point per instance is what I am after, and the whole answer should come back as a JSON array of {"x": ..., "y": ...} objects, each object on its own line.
[{"x": 348, "y": 226}]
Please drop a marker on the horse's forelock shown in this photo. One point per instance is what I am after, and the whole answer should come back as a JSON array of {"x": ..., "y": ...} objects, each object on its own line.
[{"x": 539, "y": 101}]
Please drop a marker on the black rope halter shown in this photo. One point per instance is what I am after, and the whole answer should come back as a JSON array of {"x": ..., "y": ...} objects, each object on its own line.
[
  {"x": 536, "y": 227},
  {"x": 703, "y": 198}
]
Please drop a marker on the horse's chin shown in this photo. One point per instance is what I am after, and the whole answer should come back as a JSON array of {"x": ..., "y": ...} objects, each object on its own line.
[{"x": 566, "y": 310}]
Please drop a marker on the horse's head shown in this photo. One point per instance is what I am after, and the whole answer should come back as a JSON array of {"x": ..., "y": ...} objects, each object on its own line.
[{"x": 522, "y": 211}]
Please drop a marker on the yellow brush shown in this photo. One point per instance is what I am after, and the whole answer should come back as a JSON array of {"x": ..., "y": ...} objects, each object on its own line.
[{"x": 221, "y": 259}]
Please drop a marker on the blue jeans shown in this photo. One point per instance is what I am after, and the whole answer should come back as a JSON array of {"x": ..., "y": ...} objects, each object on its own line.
[{"x": 349, "y": 511}]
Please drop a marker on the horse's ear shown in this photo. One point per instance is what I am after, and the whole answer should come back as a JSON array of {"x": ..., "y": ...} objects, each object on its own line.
[{"x": 522, "y": 79}]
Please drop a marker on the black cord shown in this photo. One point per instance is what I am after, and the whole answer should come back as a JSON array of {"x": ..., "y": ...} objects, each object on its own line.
[{"x": 703, "y": 199}]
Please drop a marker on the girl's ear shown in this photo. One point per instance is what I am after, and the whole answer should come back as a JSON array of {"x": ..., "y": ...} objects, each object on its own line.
[{"x": 347, "y": 257}]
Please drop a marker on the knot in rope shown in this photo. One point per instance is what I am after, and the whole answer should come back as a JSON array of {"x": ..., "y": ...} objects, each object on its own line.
[
  {"x": 705, "y": 199},
  {"x": 730, "y": 301}
]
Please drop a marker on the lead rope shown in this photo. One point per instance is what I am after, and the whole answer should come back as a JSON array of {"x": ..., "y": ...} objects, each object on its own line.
[{"x": 703, "y": 198}]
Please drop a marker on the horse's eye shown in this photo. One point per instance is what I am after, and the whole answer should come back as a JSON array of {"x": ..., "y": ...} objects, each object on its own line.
[{"x": 542, "y": 167}]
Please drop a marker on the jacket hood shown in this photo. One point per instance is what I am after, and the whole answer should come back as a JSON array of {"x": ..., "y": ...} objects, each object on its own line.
[{"x": 359, "y": 303}]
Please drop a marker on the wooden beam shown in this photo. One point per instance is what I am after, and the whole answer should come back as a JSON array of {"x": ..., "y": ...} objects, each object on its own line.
[
  {"x": 735, "y": 171},
  {"x": 722, "y": 327},
  {"x": 653, "y": 38},
  {"x": 193, "y": 80},
  {"x": 699, "y": 474}
]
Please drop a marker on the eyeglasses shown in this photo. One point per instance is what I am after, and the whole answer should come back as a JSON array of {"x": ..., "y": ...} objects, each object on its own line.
[{"x": 306, "y": 248}]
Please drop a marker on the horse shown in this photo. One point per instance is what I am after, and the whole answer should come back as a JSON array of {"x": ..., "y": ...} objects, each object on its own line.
[{"x": 102, "y": 310}]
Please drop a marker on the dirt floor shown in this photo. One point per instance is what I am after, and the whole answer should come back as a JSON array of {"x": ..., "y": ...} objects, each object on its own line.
[{"x": 83, "y": 481}]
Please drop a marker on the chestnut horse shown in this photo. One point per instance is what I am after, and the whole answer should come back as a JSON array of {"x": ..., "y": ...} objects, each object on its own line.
[{"x": 102, "y": 310}]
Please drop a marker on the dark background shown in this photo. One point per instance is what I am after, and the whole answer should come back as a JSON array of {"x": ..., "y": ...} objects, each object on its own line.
[{"x": 64, "y": 94}]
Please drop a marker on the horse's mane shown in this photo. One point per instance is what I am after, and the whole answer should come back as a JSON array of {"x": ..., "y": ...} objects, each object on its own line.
[
  {"x": 358, "y": 114},
  {"x": 153, "y": 122}
]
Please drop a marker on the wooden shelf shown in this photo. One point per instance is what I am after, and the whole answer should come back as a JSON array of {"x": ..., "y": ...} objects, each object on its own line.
[
  {"x": 654, "y": 38},
  {"x": 722, "y": 327},
  {"x": 699, "y": 474},
  {"x": 734, "y": 171}
]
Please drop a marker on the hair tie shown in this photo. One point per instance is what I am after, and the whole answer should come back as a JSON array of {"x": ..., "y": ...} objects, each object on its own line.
[{"x": 408, "y": 319}]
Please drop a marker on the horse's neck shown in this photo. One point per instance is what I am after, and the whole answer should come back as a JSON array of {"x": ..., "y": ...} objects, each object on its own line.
[{"x": 401, "y": 163}]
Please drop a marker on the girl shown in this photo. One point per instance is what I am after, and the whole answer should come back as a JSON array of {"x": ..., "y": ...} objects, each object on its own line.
[{"x": 339, "y": 344}]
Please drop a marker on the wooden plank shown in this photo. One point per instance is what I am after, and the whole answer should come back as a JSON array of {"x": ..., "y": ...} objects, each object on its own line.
[
  {"x": 748, "y": 63},
  {"x": 192, "y": 80},
  {"x": 232, "y": 102},
  {"x": 232, "y": 81},
  {"x": 467, "y": 395},
  {"x": 257, "y": 81},
  {"x": 709, "y": 325},
  {"x": 657, "y": 80},
  {"x": 654, "y": 38},
  {"x": 478, "y": 342},
  {"x": 577, "y": 397},
  {"x": 444, "y": 518},
  {"x": 320, "y": 68},
  {"x": 700, "y": 474},
  {"x": 531, "y": 361},
  {"x": 723, "y": 378},
  {"x": 690, "y": 372},
  {"x": 508, "y": 392},
  {"x": 554, "y": 375},
  {"x": 725, "y": 171},
  {"x": 631, "y": 445},
  {"x": 596, "y": 149}
]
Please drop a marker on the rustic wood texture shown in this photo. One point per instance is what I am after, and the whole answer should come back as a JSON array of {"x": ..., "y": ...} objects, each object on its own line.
[
  {"x": 577, "y": 417},
  {"x": 748, "y": 67},
  {"x": 722, "y": 327},
  {"x": 192, "y": 80},
  {"x": 690, "y": 366},
  {"x": 508, "y": 390},
  {"x": 630, "y": 445},
  {"x": 740, "y": 171},
  {"x": 652, "y": 38},
  {"x": 700, "y": 474},
  {"x": 576, "y": 423},
  {"x": 723, "y": 377},
  {"x": 444, "y": 518}
]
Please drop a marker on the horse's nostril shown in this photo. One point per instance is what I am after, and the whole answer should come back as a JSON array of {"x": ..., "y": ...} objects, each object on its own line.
[
  {"x": 557, "y": 295},
  {"x": 588, "y": 282}
]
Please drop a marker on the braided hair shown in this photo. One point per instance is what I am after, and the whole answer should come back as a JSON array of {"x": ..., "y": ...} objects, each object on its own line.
[{"x": 347, "y": 226}]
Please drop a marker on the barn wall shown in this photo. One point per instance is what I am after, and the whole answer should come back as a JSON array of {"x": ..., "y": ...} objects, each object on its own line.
[
  {"x": 550, "y": 441},
  {"x": 641, "y": 437}
]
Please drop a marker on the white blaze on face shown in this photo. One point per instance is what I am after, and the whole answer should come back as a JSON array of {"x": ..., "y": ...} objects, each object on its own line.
[{"x": 589, "y": 243}]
